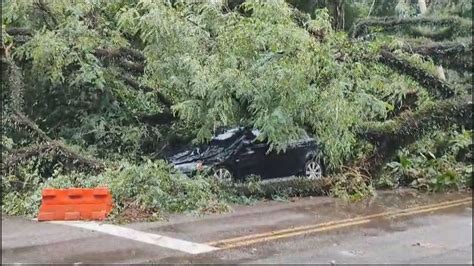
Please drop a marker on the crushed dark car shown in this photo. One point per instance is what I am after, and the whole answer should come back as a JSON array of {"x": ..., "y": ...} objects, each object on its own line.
[{"x": 237, "y": 153}]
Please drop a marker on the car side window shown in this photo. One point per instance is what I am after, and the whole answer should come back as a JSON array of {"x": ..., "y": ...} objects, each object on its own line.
[
  {"x": 252, "y": 138},
  {"x": 256, "y": 133}
]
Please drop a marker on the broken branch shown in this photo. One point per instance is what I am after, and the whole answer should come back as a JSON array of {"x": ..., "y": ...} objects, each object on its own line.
[{"x": 49, "y": 145}]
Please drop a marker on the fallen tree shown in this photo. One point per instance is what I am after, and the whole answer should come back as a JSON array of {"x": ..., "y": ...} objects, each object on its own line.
[
  {"x": 409, "y": 126},
  {"x": 252, "y": 67}
]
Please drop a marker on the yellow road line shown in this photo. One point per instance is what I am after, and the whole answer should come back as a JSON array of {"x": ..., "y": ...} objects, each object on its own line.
[
  {"x": 269, "y": 238},
  {"x": 429, "y": 209},
  {"x": 333, "y": 222},
  {"x": 250, "y": 239},
  {"x": 331, "y": 227}
]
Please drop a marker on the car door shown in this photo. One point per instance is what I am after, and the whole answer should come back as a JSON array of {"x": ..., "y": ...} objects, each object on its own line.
[
  {"x": 285, "y": 163},
  {"x": 251, "y": 159},
  {"x": 279, "y": 163}
]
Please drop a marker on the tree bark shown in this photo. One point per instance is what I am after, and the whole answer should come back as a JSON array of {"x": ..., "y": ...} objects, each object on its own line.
[
  {"x": 436, "y": 87},
  {"x": 388, "y": 23},
  {"x": 452, "y": 55},
  {"x": 124, "y": 52}
]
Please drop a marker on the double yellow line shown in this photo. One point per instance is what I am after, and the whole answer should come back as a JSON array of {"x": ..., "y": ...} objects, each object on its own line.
[{"x": 308, "y": 229}]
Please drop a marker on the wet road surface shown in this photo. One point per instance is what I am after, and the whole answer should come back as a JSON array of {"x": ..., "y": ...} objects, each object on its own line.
[{"x": 401, "y": 227}]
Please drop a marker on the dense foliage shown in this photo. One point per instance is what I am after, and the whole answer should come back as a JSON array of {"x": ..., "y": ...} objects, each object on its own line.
[{"x": 98, "y": 88}]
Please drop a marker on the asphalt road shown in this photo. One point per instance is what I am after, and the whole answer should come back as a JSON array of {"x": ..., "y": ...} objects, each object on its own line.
[{"x": 402, "y": 227}]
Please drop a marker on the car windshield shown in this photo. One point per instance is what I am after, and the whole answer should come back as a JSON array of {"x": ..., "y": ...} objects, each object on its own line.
[
  {"x": 226, "y": 135},
  {"x": 305, "y": 135},
  {"x": 255, "y": 133},
  {"x": 225, "y": 138},
  {"x": 198, "y": 150}
]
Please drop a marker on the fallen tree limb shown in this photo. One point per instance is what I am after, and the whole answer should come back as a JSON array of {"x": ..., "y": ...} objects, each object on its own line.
[
  {"x": 129, "y": 53},
  {"x": 17, "y": 157},
  {"x": 19, "y": 31},
  {"x": 127, "y": 58},
  {"x": 453, "y": 55},
  {"x": 408, "y": 127},
  {"x": 21, "y": 119},
  {"x": 435, "y": 86},
  {"x": 48, "y": 146},
  {"x": 439, "y": 35},
  {"x": 388, "y": 23},
  {"x": 134, "y": 84},
  {"x": 24, "y": 154},
  {"x": 46, "y": 13},
  {"x": 165, "y": 117},
  {"x": 125, "y": 64}
]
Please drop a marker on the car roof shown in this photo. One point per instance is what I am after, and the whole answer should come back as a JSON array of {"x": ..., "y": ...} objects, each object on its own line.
[{"x": 227, "y": 134}]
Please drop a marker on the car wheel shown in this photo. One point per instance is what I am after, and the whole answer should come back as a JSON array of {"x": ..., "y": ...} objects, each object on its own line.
[
  {"x": 222, "y": 174},
  {"x": 313, "y": 169}
]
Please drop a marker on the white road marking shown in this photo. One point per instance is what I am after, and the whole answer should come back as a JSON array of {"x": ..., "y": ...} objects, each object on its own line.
[{"x": 144, "y": 237}]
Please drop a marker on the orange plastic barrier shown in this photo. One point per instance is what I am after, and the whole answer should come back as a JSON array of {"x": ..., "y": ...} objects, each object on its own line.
[{"x": 75, "y": 204}]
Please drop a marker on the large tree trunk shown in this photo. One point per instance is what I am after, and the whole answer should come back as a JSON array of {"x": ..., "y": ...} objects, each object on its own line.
[
  {"x": 339, "y": 16},
  {"x": 422, "y": 6}
]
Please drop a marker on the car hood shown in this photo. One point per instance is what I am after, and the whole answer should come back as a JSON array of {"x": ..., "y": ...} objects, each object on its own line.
[
  {"x": 209, "y": 155},
  {"x": 190, "y": 156}
]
